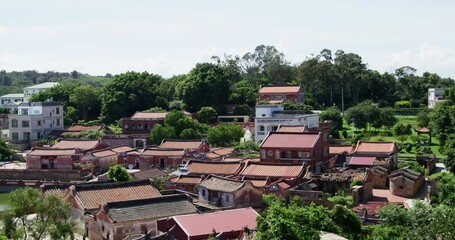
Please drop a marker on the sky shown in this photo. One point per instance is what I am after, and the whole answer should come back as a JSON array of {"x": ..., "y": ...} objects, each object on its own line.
[{"x": 170, "y": 37}]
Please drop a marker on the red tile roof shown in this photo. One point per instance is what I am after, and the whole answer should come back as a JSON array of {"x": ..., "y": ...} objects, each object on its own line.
[
  {"x": 340, "y": 149},
  {"x": 363, "y": 161},
  {"x": 91, "y": 196},
  {"x": 81, "y": 144},
  {"x": 180, "y": 144},
  {"x": 147, "y": 115},
  {"x": 221, "y": 184},
  {"x": 287, "y": 128},
  {"x": 80, "y": 128},
  {"x": 290, "y": 140},
  {"x": 275, "y": 170},
  {"x": 104, "y": 153},
  {"x": 217, "y": 168},
  {"x": 222, "y": 221},
  {"x": 52, "y": 152},
  {"x": 122, "y": 149},
  {"x": 387, "y": 148},
  {"x": 149, "y": 173},
  {"x": 222, "y": 151},
  {"x": 279, "y": 89},
  {"x": 186, "y": 180},
  {"x": 162, "y": 152}
]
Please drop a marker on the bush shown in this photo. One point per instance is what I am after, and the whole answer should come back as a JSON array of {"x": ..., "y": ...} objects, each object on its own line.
[
  {"x": 403, "y": 104},
  {"x": 402, "y": 129},
  {"x": 335, "y": 134},
  {"x": 356, "y": 182},
  {"x": 344, "y": 133}
]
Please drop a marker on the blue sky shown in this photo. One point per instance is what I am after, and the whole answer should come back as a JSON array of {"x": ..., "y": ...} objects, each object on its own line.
[{"x": 170, "y": 37}]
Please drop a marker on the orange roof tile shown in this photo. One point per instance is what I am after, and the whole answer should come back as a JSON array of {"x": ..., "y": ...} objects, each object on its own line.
[
  {"x": 104, "y": 153},
  {"x": 216, "y": 168},
  {"x": 52, "y": 152},
  {"x": 375, "y": 147},
  {"x": 91, "y": 196},
  {"x": 81, "y": 144},
  {"x": 186, "y": 180},
  {"x": 290, "y": 140},
  {"x": 260, "y": 169},
  {"x": 287, "y": 128},
  {"x": 122, "y": 149},
  {"x": 162, "y": 152},
  {"x": 147, "y": 115},
  {"x": 222, "y": 151},
  {"x": 80, "y": 128},
  {"x": 180, "y": 144},
  {"x": 279, "y": 89}
]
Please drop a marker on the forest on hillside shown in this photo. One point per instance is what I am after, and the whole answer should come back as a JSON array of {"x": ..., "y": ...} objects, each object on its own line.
[{"x": 230, "y": 83}]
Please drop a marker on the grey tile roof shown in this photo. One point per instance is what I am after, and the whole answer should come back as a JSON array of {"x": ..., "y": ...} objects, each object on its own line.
[{"x": 165, "y": 206}]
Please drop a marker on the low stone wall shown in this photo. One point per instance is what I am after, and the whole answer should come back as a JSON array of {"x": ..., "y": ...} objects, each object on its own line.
[{"x": 43, "y": 175}]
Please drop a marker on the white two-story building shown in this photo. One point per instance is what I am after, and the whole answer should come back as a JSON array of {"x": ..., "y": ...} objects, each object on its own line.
[
  {"x": 28, "y": 91},
  {"x": 270, "y": 116},
  {"x": 34, "y": 120}
]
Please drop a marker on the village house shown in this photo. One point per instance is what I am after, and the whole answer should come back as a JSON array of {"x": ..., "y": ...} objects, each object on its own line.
[
  {"x": 223, "y": 225},
  {"x": 113, "y": 140},
  {"x": 50, "y": 158},
  {"x": 218, "y": 154},
  {"x": 292, "y": 172},
  {"x": 151, "y": 173},
  {"x": 75, "y": 130},
  {"x": 338, "y": 154},
  {"x": 379, "y": 178},
  {"x": 162, "y": 158},
  {"x": 280, "y": 94},
  {"x": 202, "y": 168},
  {"x": 405, "y": 183},
  {"x": 380, "y": 150},
  {"x": 120, "y": 220},
  {"x": 87, "y": 198},
  {"x": 184, "y": 183},
  {"x": 192, "y": 147},
  {"x": 100, "y": 159},
  {"x": 142, "y": 122},
  {"x": 127, "y": 156},
  {"x": 225, "y": 192},
  {"x": 83, "y": 145},
  {"x": 295, "y": 147}
]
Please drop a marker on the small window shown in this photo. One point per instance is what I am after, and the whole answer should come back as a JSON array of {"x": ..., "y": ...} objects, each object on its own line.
[
  {"x": 25, "y": 124},
  {"x": 262, "y": 154},
  {"x": 15, "y": 136},
  {"x": 289, "y": 154},
  {"x": 227, "y": 198},
  {"x": 57, "y": 110},
  {"x": 58, "y": 122},
  {"x": 261, "y": 128},
  {"x": 203, "y": 192},
  {"x": 14, "y": 123},
  {"x": 39, "y": 123}
]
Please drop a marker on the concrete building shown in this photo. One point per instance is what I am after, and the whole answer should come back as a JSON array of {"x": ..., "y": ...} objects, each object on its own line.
[
  {"x": 269, "y": 117},
  {"x": 28, "y": 91},
  {"x": 35, "y": 120},
  {"x": 435, "y": 95},
  {"x": 11, "y": 98}
]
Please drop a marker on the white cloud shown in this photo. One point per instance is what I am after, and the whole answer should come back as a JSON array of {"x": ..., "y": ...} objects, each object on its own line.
[
  {"x": 3, "y": 30},
  {"x": 427, "y": 58}
]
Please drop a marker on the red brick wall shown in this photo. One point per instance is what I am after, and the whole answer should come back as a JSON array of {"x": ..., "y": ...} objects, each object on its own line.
[
  {"x": 149, "y": 161},
  {"x": 61, "y": 162}
]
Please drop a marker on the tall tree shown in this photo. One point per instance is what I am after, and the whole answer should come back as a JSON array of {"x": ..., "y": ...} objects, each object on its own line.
[{"x": 85, "y": 98}]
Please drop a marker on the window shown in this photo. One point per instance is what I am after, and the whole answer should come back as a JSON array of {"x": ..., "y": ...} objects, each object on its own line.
[
  {"x": 288, "y": 154},
  {"x": 227, "y": 198},
  {"x": 14, "y": 123},
  {"x": 15, "y": 136},
  {"x": 261, "y": 128},
  {"x": 25, "y": 124},
  {"x": 277, "y": 154},
  {"x": 24, "y": 111},
  {"x": 203, "y": 192},
  {"x": 304, "y": 155},
  {"x": 38, "y": 135},
  {"x": 39, "y": 122},
  {"x": 262, "y": 154},
  {"x": 57, "y": 110},
  {"x": 58, "y": 122}
]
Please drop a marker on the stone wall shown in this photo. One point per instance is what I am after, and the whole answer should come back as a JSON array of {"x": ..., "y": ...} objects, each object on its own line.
[{"x": 43, "y": 175}]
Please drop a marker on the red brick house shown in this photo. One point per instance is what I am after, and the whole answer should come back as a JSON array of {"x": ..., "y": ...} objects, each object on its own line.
[
  {"x": 162, "y": 158},
  {"x": 279, "y": 94},
  {"x": 228, "y": 224},
  {"x": 405, "y": 183},
  {"x": 127, "y": 156},
  {"x": 100, "y": 159},
  {"x": 50, "y": 158},
  {"x": 295, "y": 147},
  {"x": 226, "y": 192},
  {"x": 380, "y": 150},
  {"x": 142, "y": 122},
  {"x": 184, "y": 183},
  {"x": 192, "y": 147}
]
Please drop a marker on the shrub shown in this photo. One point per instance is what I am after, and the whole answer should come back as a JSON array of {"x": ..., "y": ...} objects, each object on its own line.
[
  {"x": 403, "y": 104},
  {"x": 356, "y": 182},
  {"x": 344, "y": 133}
]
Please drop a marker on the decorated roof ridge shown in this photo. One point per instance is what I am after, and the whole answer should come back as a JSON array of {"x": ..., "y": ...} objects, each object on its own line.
[
  {"x": 407, "y": 170},
  {"x": 101, "y": 150},
  {"x": 124, "y": 145},
  {"x": 273, "y": 164},
  {"x": 112, "y": 184},
  {"x": 181, "y": 140},
  {"x": 163, "y": 149},
  {"x": 225, "y": 178},
  {"x": 77, "y": 140},
  {"x": 64, "y": 186},
  {"x": 53, "y": 149},
  {"x": 241, "y": 183},
  {"x": 129, "y": 203}
]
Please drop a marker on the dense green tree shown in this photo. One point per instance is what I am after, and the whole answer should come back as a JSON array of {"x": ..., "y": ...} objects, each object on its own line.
[
  {"x": 127, "y": 93},
  {"x": 118, "y": 173},
  {"x": 247, "y": 147},
  {"x": 190, "y": 133},
  {"x": 362, "y": 114},
  {"x": 85, "y": 97},
  {"x": 449, "y": 151},
  {"x": 155, "y": 110},
  {"x": 386, "y": 118},
  {"x": 401, "y": 129},
  {"x": 52, "y": 216},
  {"x": 225, "y": 135},
  {"x": 445, "y": 192},
  {"x": 207, "y": 115},
  {"x": 5, "y": 151},
  {"x": 160, "y": 132},
  {"x": 332, "y": 114},
  {"x": 243, "y": 94},
  {"x": 206, "y": 85}
]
